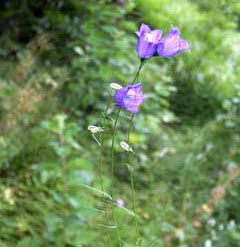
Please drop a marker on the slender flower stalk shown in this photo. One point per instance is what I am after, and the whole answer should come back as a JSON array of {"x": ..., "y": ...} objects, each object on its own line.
[
  {"x": 100, "y": 159},
  {"x": 65, "y": 191},
  {"x": 129, "y": 157},
  {"x": 131, "y": 177},
  {"x": 150, "y": 43},
  {"x": 112, "y": 176},
  {"x": 129, "y": 97},
  {"x": 139, "y": 70}
]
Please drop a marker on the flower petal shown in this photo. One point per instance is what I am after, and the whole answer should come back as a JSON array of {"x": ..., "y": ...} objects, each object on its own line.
[
  {"x": 174, "y": 30},
  {"x": 119, "y": 96},
  {"x": 144, "y": 29},
  {"x": 145, "y": 49},
  {"x": 184, "y": 46},
  {"x": 171, "y": 44},
  {"x": 137, "y": 33},
  {"x": 156, "y": 36},
  {"x": 129, "y": 97}
]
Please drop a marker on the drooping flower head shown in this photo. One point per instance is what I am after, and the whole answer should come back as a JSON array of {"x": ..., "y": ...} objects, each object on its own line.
[
  {"x": 129, "y": 97},
  {"x": 147, "y": 41},
  {"x": 172, "y": 44}
]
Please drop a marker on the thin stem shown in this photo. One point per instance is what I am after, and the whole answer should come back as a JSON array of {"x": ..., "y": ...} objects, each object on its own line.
[
  {"x": 131, "y": 166},
  {"x": 101, "y": 170},
  {"x": 138, "y": 72},
  {"x": 131, "y": 177},
  {"x": 112, "y": 175},
  {"x": 102, "y": 143},
  {"x": 65, "y": 192}
]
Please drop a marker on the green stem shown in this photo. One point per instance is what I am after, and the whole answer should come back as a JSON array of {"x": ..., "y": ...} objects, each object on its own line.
[
  {"x": 131, "y": 166},
  {"x": 131, "y": 178},
  {"x": 112, "y": 175},
  {"x": 65, "y": 192},
  {"x": 101, "y": 171},
  {"x": 138, "y": 72}
]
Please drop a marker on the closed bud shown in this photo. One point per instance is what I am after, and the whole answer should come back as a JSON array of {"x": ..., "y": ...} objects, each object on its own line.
[
  {"x": 126, "y": 147},
  {"x": 115, "y": 86},
  {"x": 95, "y": 129}
]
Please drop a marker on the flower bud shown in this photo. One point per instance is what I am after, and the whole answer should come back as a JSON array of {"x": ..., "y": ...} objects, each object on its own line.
[
  {"x": 95, "y": 129},
  {"x": 115, "y": 86},
  {"x": 126, "y": 147}
]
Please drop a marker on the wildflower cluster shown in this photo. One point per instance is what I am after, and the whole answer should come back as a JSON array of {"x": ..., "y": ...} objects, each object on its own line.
[{"x": 150, "y": 43}]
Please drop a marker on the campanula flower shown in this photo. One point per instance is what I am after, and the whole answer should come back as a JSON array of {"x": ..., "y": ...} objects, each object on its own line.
[
  {"x": 129, "y": 97},
  {"x": 172, "y": 44},
  {"x": 147, "y": 41}
]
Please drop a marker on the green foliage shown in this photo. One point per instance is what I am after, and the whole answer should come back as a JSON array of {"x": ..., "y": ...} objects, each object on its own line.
[
  {"x": 204, "y": 77},
  {"x": 57, "y": 60}
]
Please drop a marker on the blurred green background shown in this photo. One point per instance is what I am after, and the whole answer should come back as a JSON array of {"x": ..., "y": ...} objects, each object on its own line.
[{"x": 57, "y": 59}]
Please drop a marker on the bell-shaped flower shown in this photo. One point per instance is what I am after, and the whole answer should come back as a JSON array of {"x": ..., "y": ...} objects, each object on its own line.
[
  {"x": 129, "y": 97},
  {"x": 172, "y": 44},
  {"x": 147, "y": 41}
]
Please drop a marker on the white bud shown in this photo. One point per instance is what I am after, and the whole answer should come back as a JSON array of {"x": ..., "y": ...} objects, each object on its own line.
[
  {"x": 115, "y": 86},
  {"x": 78, "y": 50},
  {"x": 126, "y": 147},
  {"x": 180, "y": 235},
  {"x": 208, "y": 243},
  {"x": 214, "y": 235},
  {"x": 231, "y": 225},
  {"x": 221, "y": 227},
  {"x": 163, "y": 152},
  {"x": 231, "y": 166},
  {"x": 212, "y": 222},
  {"x": 95, "y": 129}
]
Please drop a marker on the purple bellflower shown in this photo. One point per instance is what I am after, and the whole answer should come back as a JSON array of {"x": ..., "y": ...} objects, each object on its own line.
[
  {"x": 172, "y": 44},
  {"x": 147, "y": 41},
  {"x": 129, "y": 97}
]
